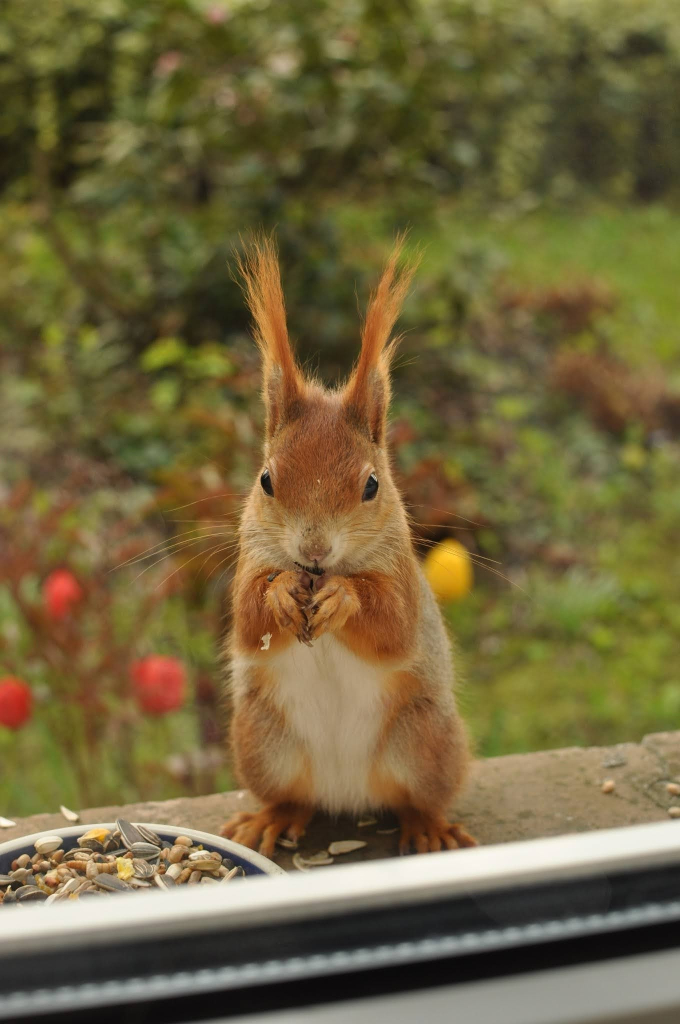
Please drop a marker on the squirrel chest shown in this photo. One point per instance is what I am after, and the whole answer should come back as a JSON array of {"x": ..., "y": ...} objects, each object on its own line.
[{"x": 333, "y": 703}]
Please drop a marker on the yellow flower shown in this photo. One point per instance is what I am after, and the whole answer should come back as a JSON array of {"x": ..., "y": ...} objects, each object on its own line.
[{"x": 448, "y": 568}]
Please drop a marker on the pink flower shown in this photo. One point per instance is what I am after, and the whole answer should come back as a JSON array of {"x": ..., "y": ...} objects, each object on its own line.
[
  {"x": 168, "y": 63},
  {"x": 216, "y": 14}
]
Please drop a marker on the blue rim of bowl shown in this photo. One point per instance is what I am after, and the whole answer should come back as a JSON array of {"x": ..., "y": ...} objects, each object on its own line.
[{"x": 249, "y": 859}]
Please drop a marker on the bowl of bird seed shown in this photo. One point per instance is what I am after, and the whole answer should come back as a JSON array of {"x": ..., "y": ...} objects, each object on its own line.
[{"x": 98, "y": 860}]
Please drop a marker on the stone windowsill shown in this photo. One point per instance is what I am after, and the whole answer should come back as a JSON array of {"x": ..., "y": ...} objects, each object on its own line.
[{"x": 520, "y": 796}]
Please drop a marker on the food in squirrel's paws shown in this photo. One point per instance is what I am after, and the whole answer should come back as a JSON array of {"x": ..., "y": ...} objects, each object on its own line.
[{"x": 341, "y": 669}]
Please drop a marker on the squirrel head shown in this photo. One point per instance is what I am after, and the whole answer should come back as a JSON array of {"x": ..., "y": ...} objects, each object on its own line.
[{"x": 325, "y": 498}]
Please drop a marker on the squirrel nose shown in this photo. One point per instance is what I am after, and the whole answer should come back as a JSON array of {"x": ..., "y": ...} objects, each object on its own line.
[{"x": 316, "y": 554}]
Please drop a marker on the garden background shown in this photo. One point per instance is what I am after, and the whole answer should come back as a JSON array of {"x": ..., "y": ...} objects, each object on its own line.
[{"x": 533, "y": 149}]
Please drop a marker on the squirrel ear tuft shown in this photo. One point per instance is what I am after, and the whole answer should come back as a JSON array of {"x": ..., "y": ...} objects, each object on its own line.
[
  {"x": 258, "y": 268},
  {"x": 367, "y": 394}
]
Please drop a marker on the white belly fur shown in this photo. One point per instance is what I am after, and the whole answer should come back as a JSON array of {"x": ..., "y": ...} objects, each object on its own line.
[{"x": 333, "y": 703}]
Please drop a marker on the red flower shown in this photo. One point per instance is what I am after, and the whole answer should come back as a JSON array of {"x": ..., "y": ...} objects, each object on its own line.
[
  {"x": 61, "y": 592},
  {"x": 16, "y": 702},
  {"x": 158, "y": 684}
]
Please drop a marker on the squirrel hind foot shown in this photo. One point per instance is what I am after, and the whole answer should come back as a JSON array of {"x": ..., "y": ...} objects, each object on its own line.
[
  {"x": 259, "y": 830},
  {"x": 429, "y": 833}
]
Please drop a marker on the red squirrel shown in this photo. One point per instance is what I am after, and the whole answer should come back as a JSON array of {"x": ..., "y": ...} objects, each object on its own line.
[{"x": 341, "y": 670}]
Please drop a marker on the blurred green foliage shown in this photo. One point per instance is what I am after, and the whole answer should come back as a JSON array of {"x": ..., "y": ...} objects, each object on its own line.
[{"x": 536, "y": 397}]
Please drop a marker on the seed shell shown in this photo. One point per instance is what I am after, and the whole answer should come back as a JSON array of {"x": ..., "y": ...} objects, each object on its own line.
[
  {"x": 318, "y": 859},
  {"x": 286, "y": 843},
  {"x": 345, "y": 846}
]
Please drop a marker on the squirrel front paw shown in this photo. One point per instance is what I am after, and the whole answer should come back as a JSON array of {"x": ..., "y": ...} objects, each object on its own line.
[
  {"x": 333, "y": 602},
  {"x": 287, "y": 597}
]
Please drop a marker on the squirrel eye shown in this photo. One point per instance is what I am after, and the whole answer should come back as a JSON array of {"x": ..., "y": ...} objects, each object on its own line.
[
  {"x": 371, "y": 488},
  {"x": 266, "y": 482}
]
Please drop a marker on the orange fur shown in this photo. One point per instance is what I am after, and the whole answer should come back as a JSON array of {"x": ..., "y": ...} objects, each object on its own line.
[
  {"x": 384, "y": 619},
  {"x": 283, "y": 384},
  {"x": 378, "y": 675},
  {"x": 368, "y": 392}
]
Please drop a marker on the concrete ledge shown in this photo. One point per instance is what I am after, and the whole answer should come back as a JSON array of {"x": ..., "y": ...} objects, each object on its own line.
[{"x": 521, "y": 796}]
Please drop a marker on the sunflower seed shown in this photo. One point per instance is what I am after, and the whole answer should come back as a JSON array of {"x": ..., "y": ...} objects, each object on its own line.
[
  {"x": 6, "y": 822},
  {"x": 147, "y": 851},
  {"x": 71, "y": 816},
  {"x": 365, "y": 822},
  {"x": 143, "y": 868},
  {"x": 30, "y": 892},
  {"x": 163, "y": 882},
  {"x": 111, "y": 882},
  {"x": 299, "y": 862},
  {"x": 150, "y": 837},
  {"x": 129, "y": 833}
]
